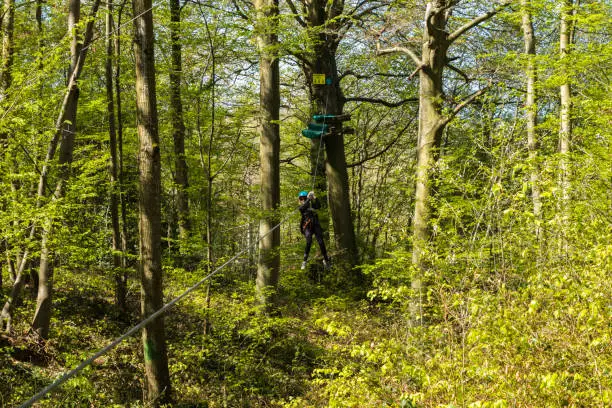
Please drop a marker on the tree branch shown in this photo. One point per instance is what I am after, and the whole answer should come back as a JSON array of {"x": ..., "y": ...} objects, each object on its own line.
[
  {"x": 296, "y": 15},
  {"x": 462, "y": 105},
  {"x": 381, "y": 101},
  {"x": 471, "y": 24},
  {"x": 384, "y": 150},
  {"x": 460, "y": 72},
  {"x": 399, "y": 50},
  {"x": 362, "y": 76}
]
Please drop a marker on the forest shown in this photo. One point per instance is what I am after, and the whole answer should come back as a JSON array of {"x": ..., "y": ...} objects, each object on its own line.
[{"x": 306, "y": 203}]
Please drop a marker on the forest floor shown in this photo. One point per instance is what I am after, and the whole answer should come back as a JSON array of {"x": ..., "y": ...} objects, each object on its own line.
[{"x": 544, "y": 341}]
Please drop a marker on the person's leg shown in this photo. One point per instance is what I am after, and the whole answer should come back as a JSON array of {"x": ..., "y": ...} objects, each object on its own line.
[
  {"x": 318, "y": 232},
  {"x": 308, "y": 236}
]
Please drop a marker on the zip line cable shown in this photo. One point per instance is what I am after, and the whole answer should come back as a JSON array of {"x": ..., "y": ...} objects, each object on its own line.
[{"x": 143, "y": 323}]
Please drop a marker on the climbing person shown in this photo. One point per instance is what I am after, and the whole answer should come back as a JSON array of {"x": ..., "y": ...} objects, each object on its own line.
[{"x": 309, "y": 225}]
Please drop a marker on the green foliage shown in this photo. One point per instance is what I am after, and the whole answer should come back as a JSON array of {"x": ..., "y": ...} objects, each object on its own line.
[{"x": 501, "y": 319}]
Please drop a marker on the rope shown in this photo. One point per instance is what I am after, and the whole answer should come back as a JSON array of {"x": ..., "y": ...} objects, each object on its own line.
[
  {"x": 316, "y": 168},
  {"x": 143, "y": 323}
]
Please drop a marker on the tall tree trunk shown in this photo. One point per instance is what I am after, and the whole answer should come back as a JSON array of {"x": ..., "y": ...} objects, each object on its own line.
[
  {"x": 431, "y": 124},
  {"x": 7, "y": 26},
  {"x": 328, "y": 99},
  {"x": 115, "y": 187},
  {"x": 565, "y": 131},
  {"x": 531, "y": 111},
  {"x": 178, "y": 125},
  {"x": 268, "y": 265},
  {"x": 67, "y": 128},
  {"x": 432, "y": 120},
  {"x": 8, "y": 32},
  {"x": 121, "y": 174},
  {"x": 153, "y": 335}
]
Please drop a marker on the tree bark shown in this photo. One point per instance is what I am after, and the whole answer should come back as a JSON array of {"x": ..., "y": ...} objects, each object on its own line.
[
  {"x": 153, "y": 335},
  {"x": 329, "y": 99},
  {"x": 565, "y": 131},
  {"x": 268, "y": 266},
  {"x": 121, "y": 174},
  {"x": 431, "y": 123},
  {"x": 8, "y": 45},
  {"x": 531, "y": 111},
  {"x": 66, "y": 126},
  {"x": 115, "y": 187},
  {"x": 178, "y": 125}
]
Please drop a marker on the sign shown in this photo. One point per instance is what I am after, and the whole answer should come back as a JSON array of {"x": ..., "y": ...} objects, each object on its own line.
[{"x": 318, "y": 79}]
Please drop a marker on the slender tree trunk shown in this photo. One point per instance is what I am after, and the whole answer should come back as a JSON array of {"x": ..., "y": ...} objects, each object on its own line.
[
  {"x": 115, "y": 188},
  {"x": 431, "y": 125},
  {"x": 268, "y": 266},
  {"x": 7, "y": 26},
  {"x": 565, "y": 131},
  {"x": 8, "y": 33},
  {"x": 207, "y": 167},
  {"x": 67, "y": 125},
  {"x": 531, "y": 111},
  {"x": 6, "y": 315},
  {"x": 121, "y": 174},
  {"x": 178, "y": 125},
  {"x": 153, "y": 335}
]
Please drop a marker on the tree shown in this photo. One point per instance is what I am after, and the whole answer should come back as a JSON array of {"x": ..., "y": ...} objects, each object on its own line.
[
  {"x": 64, "y": 135},
  {"x": 178, "y": 125},
  {"x": 149, "y": 206},
  {"x": 566, "y": 34},
  {"x": 326, "y": 26},
  {"x": 7, "y": 24},
  {"x": 433, "y": 118},
  {"x": 115, "y": 186},
  {"x": 531, "y": 112},
  {"x": 269, "y": 147}
]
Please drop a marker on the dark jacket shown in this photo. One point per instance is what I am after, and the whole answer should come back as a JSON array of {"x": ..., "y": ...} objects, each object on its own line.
[{"x": 309, "y": 215}]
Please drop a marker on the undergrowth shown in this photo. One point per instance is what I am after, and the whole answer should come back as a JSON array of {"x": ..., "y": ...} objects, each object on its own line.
[{"x": 487, "y": 338}]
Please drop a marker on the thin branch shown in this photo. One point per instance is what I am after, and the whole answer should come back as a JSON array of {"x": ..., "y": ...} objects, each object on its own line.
[
  {"x": 296, "y": 15},
  {"x": 460, "y": 72},
  {"x": 363, "y": 76},
  {"x": 384, "y": 150},
  {"x": 290, "y": 160},
  {"x": 381, "y": 101},
  {"x": 399, "y": 50},
  {"x": 364, "y": 12},
  {"x": 471, "y": 24},
  {"x": 462, "y": 105},
  {"x": 239, "y": 11}
]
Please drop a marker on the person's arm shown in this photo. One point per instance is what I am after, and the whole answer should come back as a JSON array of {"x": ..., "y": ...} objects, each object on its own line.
[
  {"x": 314, "y": 201},
  {"x": 304, "y": 207}
]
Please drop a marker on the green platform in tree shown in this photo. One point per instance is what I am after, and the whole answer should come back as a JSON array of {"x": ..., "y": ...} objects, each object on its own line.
[
  {"x": 320, "y": 127},
  {"x": 315, "y": 130}
]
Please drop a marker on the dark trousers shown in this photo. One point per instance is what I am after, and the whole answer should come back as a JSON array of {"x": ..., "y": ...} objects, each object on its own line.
[{"x": 317, "y": 231}]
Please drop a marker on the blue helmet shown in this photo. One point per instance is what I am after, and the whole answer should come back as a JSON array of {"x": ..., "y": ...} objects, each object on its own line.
[{"x": 303, "y": 194}]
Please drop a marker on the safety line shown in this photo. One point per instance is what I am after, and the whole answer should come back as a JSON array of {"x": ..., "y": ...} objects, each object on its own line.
[
  {"x": 316, "y": 168},
  {"x": 143, "y": 323}
]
